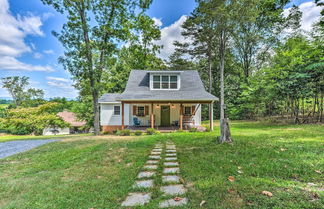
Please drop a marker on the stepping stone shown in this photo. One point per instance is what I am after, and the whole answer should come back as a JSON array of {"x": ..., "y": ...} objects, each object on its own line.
[
  {"x": 171, "y": 154},
  {"x": 155, "y": 153},
  {"x": 145, "y": 174},
  {"x": 152, "y": 162},
  {"x": 151, "y": 167},
  {"x": 134, "y": 199},
  {"x": 170, "y": 179},
  {"x": 171, "y": 170},
  {"x": 169, "y": 151},
  {"x": 171, "y": 147},
  {"x": 157, "y": 150},
  {"x": 155, "y": 157},
  {"x": 173, "y": 203},
  {"x": 171, "y": 164},
  {"x": 177, "y": 189},
  {"x": 143, "y": 184},
  {"x": 170, "y": 159}
]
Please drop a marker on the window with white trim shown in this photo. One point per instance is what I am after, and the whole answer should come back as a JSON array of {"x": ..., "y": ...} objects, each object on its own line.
[
  {"x": 140, "y": 111},
  {"x": 116, "y": 110},
  {"x": 165, "y": 82},
  {"x": 187, "y": 110}
]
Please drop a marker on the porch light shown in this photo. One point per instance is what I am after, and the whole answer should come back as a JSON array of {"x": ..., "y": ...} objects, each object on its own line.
[
  {"x": 172, "y": 106},
  {"x": 157, "y": 106}
]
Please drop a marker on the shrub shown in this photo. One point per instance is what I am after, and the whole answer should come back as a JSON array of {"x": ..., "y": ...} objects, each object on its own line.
[
  {"x": 157, "y": 132},
  {"x": 207, "y": 129},
  {"x": 117, "y": 133},
  {"x": 138, "y": 133},
  {"x": 180, "y": 130},
  {"x": 193, "y": 129},
  {"x": 105, "y": 132},
  {"x": 125, "y": 132},
  {"x": 150, "y": 131}
]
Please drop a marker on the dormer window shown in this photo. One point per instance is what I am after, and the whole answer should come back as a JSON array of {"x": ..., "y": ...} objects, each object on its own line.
[{"x": 165, "y": 82}]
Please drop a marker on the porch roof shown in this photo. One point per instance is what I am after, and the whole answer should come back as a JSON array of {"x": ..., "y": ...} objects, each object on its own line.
[{"x": 137, "y": 89}]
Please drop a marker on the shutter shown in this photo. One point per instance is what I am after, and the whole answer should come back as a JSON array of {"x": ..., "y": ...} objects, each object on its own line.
[
  {"x": 193, "y": 109},
  {"x": 134, "y": 110},
  {"x": 146, "y": 110}
]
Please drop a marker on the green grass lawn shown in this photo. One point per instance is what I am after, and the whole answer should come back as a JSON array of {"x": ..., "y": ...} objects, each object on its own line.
[{"x": 98, "y": 172}]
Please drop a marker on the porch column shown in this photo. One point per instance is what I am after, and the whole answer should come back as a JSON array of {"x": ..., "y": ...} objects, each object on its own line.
[
  {"x": 181, "y": 115},
  {"x": 152, "y": 116},
  {"x": 123, "y": 114},
  {"x": 211, "y": 118}
]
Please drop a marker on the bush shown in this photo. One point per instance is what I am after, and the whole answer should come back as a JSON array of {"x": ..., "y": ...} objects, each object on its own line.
[
  {"x": 150, "y": 131},
  {"x": 105, "y": 132},
  {"x": 180, "y": 130},
  {"x": 138, "y": 133},
  {"x": 125, "y": 132},
  {"x": 193, "y": 129},
  {"x": 157, "y": 132},
  {"x": 207, "y": 129},
  {"x": 117, "y": 133}
]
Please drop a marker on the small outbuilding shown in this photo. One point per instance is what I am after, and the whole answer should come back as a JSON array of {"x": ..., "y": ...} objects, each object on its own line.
[{"x": 69, "y": 117}]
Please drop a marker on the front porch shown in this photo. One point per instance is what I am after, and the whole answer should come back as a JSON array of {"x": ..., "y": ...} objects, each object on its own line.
[
  {"x": 163, "y": 116},
  {"x": 162, "y": 129}
]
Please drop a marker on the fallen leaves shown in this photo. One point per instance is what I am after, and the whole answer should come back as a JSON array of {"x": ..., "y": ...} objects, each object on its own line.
[
  {"x": 202, "y": 203},
  {"x": 267, "y": 193},
  {"x": 231, "y": 178},
  {"x": 318, "y": 171},
  {"x": 177, "y": 199}
]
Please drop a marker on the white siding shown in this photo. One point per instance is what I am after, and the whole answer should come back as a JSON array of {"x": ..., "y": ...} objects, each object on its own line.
[{"x": 107, "y": 116}]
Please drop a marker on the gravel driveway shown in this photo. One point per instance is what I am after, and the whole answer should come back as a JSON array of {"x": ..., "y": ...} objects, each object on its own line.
[{"x": 14, "y": 147}]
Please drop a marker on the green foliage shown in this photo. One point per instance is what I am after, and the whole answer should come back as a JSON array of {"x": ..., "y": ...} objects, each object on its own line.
[
  {"x": 91, "y": 36},
  {"x": 117, "y": 132},
  {"x": 32, "y": 120},
  {"x": 17, "y": 87},
  {"x": 150, "y": 131},
  {"x": 125, "y": 132},
  {"x": 138, "y": 133},
  {"x": 207, "y": 129},
  {"x": 193, "y": 129}
]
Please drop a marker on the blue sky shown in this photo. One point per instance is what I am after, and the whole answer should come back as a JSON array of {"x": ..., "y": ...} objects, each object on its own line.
[{"x": 27, "y": 47}]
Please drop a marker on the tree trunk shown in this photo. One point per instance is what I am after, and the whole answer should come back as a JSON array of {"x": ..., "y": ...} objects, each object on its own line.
[
  {"x": 225, "y": 135},
  {"x": 96, "y": 125}
]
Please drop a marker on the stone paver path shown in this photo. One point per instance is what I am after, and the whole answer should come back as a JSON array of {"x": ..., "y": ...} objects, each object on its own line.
[{"x": 161, "y": 164}]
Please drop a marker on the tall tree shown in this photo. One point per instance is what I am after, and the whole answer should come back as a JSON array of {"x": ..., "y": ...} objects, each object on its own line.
[
  {"x": 17, "y": 87},
  {"x": 90, "y": 38}
]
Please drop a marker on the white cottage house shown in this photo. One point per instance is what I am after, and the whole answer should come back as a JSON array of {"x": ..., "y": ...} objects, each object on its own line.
[{"x": 156, "y": 99}]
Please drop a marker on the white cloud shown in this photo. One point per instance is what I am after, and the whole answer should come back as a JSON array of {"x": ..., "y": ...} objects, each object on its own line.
[
  {"x": 12, "y": 44},
  {"x": 311, "y": 14},
  {"x": 49, "y": 51},
  {"x": 51, "y": 78},
  {"x": 60, "y": 87},
  {"x": 157, "y": 21},
  {"x": 169, "y": 35},
  {"x": 11, "y": 63}
]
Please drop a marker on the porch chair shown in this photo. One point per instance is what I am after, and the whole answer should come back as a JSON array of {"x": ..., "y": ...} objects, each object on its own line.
[{"x": 136, "y": 122}]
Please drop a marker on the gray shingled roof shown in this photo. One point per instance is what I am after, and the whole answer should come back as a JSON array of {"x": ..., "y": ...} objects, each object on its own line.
[
  {"x": 110, "y": 97},
  {"x": 138, "y": 89}
]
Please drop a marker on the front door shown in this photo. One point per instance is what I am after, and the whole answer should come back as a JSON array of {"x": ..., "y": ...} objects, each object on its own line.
[{"x": 165, "y": 115}]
